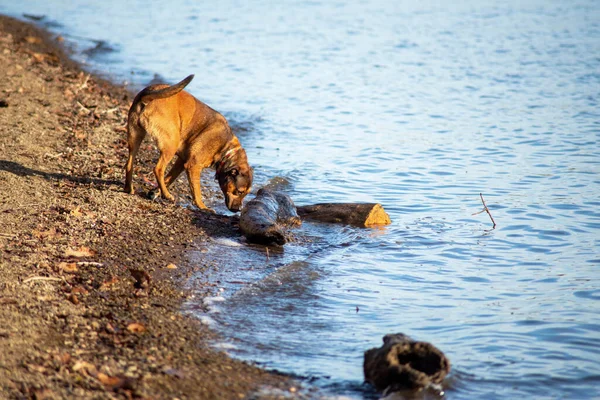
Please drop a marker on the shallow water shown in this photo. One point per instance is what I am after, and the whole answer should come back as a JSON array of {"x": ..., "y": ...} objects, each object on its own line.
[{"x": 421, "y": 107}]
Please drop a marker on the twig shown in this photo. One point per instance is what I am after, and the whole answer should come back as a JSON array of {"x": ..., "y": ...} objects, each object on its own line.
[
  {"x": 487, "y": 210},
  {"x": 84, "y": 84},
  {"x": 110, "y": 110},
  {"x": 84, "y": 108},
  {"x": 54, "y": 155},
  {"x": 43, "y": 278},
  {"x": 89, "y": 264}
]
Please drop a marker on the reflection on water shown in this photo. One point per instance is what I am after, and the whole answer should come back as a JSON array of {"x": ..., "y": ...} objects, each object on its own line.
[{"x": 420, "y": 106}]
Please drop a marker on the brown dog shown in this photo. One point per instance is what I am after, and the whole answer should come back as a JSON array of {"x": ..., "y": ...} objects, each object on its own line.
[{"x": 199, "y": 135}]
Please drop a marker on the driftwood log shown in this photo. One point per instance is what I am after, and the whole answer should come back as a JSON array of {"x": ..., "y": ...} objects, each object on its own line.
[
  {"x": 265, "y": 218},
  {"x": 357, "y": 214},
  {"x": 402, "y": 363}
]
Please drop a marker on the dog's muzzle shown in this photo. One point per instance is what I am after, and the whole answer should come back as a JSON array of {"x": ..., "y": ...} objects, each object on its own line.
[{"x": 233, "y": 203}]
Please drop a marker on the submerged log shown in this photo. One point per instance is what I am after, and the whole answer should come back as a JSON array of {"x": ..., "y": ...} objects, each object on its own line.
[
  {"x": 265, "y": 218},
  {"x": 358, "y": 214},
  {"x": 403, "y": 363}
]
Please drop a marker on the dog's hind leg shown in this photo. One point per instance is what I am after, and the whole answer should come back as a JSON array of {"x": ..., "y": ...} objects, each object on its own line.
[
  {"x": 175, "y": 171},
  {"x": 135, "y": 135},
  {"x": 166, "y": 155}
]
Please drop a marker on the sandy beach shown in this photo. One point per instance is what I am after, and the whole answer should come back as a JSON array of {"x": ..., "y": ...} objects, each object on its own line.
[{"x": 92, "y": 279}]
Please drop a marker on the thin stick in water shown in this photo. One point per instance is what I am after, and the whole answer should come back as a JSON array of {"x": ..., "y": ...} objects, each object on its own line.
[{"x": 487, "y": 210}]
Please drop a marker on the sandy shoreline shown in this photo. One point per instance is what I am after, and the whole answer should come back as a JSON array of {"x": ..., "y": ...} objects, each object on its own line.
[{"x": 90, "y": 308}]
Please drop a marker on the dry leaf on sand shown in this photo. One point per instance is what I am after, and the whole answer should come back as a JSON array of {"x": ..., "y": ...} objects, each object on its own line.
[
  {"x": 73, "y": 298},
  {"x": 115, "y": 382},
  {"x": 85, "y": 367},
  {"x": 81, "y": 252},
  {"x": 33, "y": 39},
  {"x": 136, "y": 327},
  {"x": 109, "y": 380},
  {"x": 68, "y": 267}
]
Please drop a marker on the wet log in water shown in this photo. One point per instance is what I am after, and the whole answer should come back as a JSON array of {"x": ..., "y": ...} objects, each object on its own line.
[
  {"x": 358, "y": 214},
  {"x": 402, "y": 363},
  {"x": 265, "y": 218}
]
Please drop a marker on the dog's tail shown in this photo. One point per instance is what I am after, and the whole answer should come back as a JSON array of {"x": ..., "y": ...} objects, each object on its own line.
[{"x": 149, "y": 94}]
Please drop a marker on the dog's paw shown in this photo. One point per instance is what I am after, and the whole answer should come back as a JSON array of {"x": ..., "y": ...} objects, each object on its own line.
[
  {"x": 155, "y": 195},
  {"x": 129, "y": 189},
  {"x": 202, "y": 207}
]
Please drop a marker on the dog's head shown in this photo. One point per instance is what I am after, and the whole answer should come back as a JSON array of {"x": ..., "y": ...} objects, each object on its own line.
[
  {"x": 234, "y": 176},
  {"x": 235, "y": 184}
]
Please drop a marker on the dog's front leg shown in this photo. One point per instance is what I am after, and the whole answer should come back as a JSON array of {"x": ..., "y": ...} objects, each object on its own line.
[{"x": 194, "y": 170}]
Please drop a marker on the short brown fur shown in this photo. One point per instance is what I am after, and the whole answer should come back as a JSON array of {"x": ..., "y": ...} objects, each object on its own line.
[{"x": 199, "y": 136}]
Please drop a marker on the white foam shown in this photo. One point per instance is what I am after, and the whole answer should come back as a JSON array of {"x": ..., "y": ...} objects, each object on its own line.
[
  {"x": 224, "y": 346},
  {"x": 211, "y": 304},
  {"x": 206, "y": 320},
  {"x": 209, "y": 301},
  {"x": 228, "y": 242}
]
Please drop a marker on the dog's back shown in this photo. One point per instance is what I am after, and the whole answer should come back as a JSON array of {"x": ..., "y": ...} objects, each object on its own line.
[{"x": 164, "y": 102}]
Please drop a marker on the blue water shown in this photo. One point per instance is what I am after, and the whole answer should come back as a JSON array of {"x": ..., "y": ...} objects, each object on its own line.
[{"x": 420, "y": 106}]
